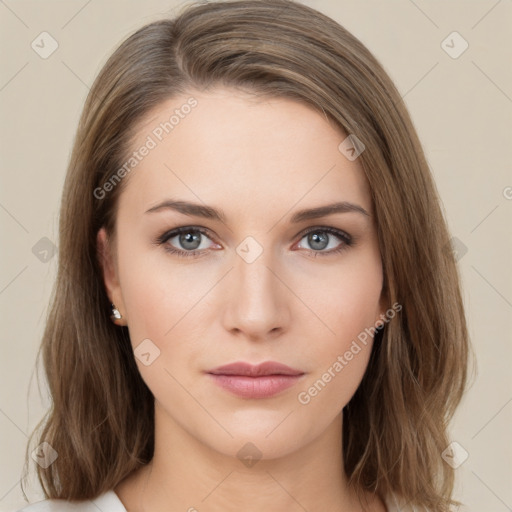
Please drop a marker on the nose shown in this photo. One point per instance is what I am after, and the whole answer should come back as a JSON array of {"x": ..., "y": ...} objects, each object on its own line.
[{"x": 257, "y": 302}]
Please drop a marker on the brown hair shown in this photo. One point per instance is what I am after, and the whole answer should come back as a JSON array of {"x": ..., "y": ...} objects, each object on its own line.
[{"x": 394, "y": 429}]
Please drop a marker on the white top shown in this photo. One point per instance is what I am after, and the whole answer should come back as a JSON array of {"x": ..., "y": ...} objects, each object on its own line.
[
  {"x": 110, "y": 502},
  {"x": 106, "y": 502}
]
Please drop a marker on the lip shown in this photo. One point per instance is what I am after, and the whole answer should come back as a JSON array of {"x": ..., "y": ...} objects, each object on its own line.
[
  {"x": 255, "y": 370},
  {"x": 255, "y": 381}
]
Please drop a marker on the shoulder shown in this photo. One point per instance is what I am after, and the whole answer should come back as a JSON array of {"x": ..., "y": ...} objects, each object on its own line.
[{"x": 106, "y": 502}]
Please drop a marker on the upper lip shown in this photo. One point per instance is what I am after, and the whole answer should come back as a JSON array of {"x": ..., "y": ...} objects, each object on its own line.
[{"x": 250, "y": 370}]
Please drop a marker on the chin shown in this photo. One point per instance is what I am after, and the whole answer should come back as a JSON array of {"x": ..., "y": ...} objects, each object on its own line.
[{"x": 261, "y": 440}]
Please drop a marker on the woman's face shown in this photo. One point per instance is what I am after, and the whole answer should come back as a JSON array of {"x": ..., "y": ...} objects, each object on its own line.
[{"x": 265, "y": 283}]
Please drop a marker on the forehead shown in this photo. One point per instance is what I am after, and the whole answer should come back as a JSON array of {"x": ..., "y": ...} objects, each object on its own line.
[{"x": 234, "y": 149}]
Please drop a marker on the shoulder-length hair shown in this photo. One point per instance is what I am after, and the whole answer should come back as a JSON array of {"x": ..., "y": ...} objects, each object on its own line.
[{"x": 101, "y": 420}]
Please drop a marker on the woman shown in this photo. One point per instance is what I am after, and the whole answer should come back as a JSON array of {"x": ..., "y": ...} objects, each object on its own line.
[{"x": 257, "y": 306}]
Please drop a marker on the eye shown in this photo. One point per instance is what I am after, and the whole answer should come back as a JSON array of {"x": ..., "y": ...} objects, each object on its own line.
[
  {"x": 188, "y": 241},
  {"x": 323, "y": 237},
  {"x": 184, "y": 241}
]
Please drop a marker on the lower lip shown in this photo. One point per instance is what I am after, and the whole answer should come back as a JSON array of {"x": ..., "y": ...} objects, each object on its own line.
[{"x": 255, "y": 387}]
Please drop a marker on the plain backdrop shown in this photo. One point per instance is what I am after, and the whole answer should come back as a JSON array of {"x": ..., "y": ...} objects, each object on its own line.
[{"x": 461, "y": 106}]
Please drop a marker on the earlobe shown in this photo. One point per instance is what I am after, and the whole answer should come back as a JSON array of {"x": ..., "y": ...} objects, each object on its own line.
[{"x": 110, "y": 278}]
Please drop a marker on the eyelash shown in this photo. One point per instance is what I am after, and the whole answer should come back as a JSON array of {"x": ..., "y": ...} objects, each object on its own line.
[{"x": 348, "y": 240}]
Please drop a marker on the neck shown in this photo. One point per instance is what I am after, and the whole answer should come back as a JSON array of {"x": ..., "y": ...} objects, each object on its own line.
[{"x": 187, "y": 475}]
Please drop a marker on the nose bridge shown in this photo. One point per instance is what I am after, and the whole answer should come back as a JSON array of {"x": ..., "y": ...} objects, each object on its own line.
[
  {"x": 256, "y": 301},
  {"x": 255, "y": 282}
]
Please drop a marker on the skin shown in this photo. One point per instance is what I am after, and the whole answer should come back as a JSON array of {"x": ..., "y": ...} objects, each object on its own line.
[{"x": 260, "y": 161}]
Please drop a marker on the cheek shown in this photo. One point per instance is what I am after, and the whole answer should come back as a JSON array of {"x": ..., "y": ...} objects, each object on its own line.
[
  {"x": 349, "y": 307},
  {"x": 156, "y": 293},
  {"x": 339, "y": 360},
  {"x": 349, "y": 299},
  {"x": 164, "y": 305}
]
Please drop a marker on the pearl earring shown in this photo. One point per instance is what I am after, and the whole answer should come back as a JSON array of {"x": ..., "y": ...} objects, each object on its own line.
[{"x": 116, "y": 315}]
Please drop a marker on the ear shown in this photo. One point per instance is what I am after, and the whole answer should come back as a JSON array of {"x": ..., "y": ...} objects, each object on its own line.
[{"x": 106, "y": 258}]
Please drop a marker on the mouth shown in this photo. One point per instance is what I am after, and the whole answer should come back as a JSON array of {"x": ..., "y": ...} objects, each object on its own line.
[{"x": 255, "y": 381}]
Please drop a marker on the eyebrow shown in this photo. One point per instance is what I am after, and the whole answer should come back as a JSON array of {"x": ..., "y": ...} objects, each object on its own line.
[{"x": 211, "y": 213}]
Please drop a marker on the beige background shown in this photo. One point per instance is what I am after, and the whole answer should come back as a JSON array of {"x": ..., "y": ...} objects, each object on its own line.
[{"x": 462, "y": 108}]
